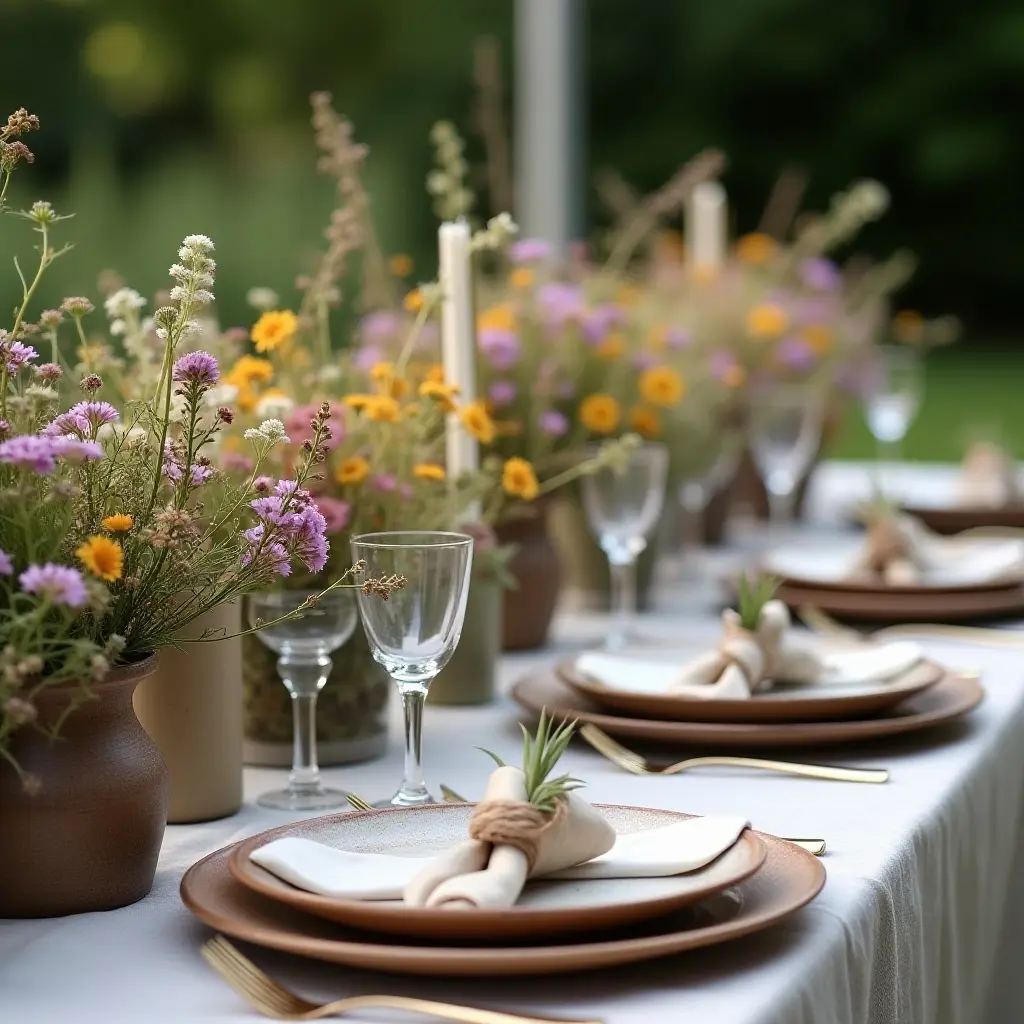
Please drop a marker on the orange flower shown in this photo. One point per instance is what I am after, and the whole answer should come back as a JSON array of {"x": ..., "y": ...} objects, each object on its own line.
[
  {"x": 428, "y": 471},
  {"x": 353, "y": 470},
  {"x": 522, "y": 277},
  {"x": 477, "y": 421},
  {"x": 383, "y": 374},
  {"x": 118, "y": 523},
  {"x": 767, "y": 321},
  {"x": 103, "y": 557},
  {"x": 358, "y": 402},
  {"x": 661, "y": 385},
  {"x": 274, "y": 328},
  {"x": 628, "y": 295},
  {"x": 658, "y": 338},
  {"x": 400, "y": 264},
  {"x": 908, "y": 326},
  {"x": 249, "y": 369},
  {"x": 519, "y": 479},
  {"x": 819, "y": 337},
  {"x": 382, "y": 409},
  {"x": 413, "y": 301},
  {"x": 756, "y": 248},
  {"x": 645, "y": 421},
  {"x": 600, "y": 413},
  {"x": 613, "y": 347},
  {"x": 498, "y": 318},
  {"x": 443, "y": 394},
  {"x": 435, "y": 373}
]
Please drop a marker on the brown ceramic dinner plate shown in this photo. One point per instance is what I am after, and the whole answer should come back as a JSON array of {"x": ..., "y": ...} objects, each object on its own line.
[
  {"x": 955, "y": 519},
  {"x": 781, "y": 704},
  {"x": 545, "y": 908},
  {"x": 789, "y": 879},
  {"x": 907, "y": 606},
  {"x": 949, "y": 698}
]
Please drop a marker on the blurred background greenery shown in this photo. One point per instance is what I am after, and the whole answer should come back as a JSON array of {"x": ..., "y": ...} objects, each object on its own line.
[{"x": 163, "y": 118}]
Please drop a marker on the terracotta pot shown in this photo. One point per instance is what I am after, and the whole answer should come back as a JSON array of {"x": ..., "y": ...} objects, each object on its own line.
[
  {"x": 90, "y": 838},
  {"x": 469, "y": 678},
  {"x": 351, "y": 711},
  {"x": 586, "y": 565},
  {"x": 530, "y": 607},
  {"x": 192, "y": 707}
]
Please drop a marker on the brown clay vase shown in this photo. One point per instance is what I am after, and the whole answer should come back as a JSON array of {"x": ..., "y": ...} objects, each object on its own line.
[
  {"x": 90, "y": 837},
  {"x": 530, "y": 607}
]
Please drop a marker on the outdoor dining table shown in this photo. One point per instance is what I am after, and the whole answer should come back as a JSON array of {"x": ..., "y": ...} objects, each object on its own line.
[{"x": 921, "y": 920}]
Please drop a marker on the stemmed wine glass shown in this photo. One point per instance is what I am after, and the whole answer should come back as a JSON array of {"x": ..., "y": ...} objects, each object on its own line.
[
  {"x": 415, "y": 631},
  {"x": 304, "y": 643},
  {"x": 623, "y": 503},
  {"x": 892, "y": 398},
  {"x": 785, "y": 433},
  {"x": 697, "y": 488}
]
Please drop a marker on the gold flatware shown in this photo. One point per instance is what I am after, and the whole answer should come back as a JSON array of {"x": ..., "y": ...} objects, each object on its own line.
[
  {"x": 358, "y": 803},
  {"x": 633, "y": 762},
  {"x": 815, "y": 846},
  {"x": 274, "y": 1000}
]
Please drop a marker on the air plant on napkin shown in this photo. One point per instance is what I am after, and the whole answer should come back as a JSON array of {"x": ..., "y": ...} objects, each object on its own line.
[
  {"x": 755, "y": 650},
  {"x": 896, "y": 549},
  {"x": 528, "y": 824}
]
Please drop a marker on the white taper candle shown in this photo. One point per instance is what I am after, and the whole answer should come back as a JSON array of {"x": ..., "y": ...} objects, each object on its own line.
[
  {"x": 458, "y": 338},
  {"x": 706, "y": 226}
]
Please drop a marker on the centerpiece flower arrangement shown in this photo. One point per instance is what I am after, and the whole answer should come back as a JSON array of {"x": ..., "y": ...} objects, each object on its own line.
[{"x": 117, "y": 530}]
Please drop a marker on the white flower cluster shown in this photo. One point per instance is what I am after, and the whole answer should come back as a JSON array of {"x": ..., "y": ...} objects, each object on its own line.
[
  {"x": 499, "y": 232},
  {"x": 122, "y": 309},
  {"x": 452, "y": 199},
  {"x": 222, "y": 394},
  {"x": 194, "y": 277},
  {"x": 274, "y": 406},
  {"x": 262, "y": 299},
  {"x": 271, "y": 431}
]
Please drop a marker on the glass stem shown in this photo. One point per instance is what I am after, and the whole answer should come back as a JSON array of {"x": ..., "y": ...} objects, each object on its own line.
[
  {"x": 304, "y": 680},
  {"x": 623, "y": 600},
  {"x": 413, "y": 789},
  {"x": 780, "y": 512}
]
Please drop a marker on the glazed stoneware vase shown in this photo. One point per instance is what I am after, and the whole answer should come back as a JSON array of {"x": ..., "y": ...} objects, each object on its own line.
[
  {"x": 192, "y": 708},
  {"x": 89, "y": 838},
  {"x": 536, "y": 567}
]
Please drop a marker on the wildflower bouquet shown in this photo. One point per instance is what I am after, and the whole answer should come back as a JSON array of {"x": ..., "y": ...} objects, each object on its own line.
[{"x": 116, "y": 527}]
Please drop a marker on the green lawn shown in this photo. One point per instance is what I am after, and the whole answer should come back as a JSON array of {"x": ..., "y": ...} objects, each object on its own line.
[{"x": 969, "y": 395}]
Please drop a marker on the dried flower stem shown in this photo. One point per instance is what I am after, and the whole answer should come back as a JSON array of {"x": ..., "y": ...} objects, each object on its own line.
[{"x": 489, "y": 121}]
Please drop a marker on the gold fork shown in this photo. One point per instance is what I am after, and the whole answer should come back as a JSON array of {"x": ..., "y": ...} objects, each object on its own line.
[
  {"x": 274, "y": 1000},
  {"x": 633, "y": 762},
  {"x": 358, "y": 803},
  {"x": 815, "y": 846}
]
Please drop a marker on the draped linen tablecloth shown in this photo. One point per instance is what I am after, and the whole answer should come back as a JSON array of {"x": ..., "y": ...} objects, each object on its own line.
[{"x": 921, "y": 921}]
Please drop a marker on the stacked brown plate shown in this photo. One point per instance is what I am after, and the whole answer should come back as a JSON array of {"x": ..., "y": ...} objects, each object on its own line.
[
  {"x": 977, "y": 588},
  {"x": 556, "y": 927},
  {"x": 924, "y": 696},
  {"x": 950, "y": 518}
]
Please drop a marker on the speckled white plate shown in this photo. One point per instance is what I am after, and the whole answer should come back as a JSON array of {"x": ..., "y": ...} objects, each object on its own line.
[{"x": 545, "y": 907}]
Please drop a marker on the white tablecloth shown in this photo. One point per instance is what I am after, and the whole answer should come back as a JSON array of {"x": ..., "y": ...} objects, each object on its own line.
[{"x": 923, "y": 894}]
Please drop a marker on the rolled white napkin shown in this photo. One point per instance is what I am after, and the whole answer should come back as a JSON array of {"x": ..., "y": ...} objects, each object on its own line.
[
  {"x": 988, "y": 477},
  {"x": 655, "y": 853}
]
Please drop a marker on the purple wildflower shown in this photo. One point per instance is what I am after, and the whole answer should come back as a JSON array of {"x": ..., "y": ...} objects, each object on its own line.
[
  {"x": 336, "y": 513},
  {"x": 530, "y": 250},
  {"x": 821, "y": 274},
  {"x": 644, "y": 360},
  {"x": 367, "y": 357},
  {"x": 560, "y": 302},
  {"x": 236, "y": 462},
  {"x": 198, "y": 368},
  {"x": 74, "y": 449},
  {"x": 379, "y": 326},
  {"x": 83, "y": 418},
  {"x": 501, "y": 347},
  {"x": 553, "y": 423},
  {"x": 6, "y": 564},
  {"x": 796, "y": 353},
  {"x": 598, "y": 322},
  {"x": 678, "y": 337},
  {"x": 565, "y": 389},
  {"x": 31, "y": 452},
  {"x": 503, "y": 392},
  {"x": 406, "y": 491},
  {"x": 60, "y": 583},
  {"x": 385, "y": 482},
  {"x": 722, "y": 365},
  {"x": 199, "y": 474},
  {"x": 312, "y": 545},
  {"x": 17, "y": 355},
  {"x": 273, "y": 556}
]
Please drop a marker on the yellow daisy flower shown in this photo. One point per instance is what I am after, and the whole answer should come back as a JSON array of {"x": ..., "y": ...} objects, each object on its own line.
[
  {"x": 102, "y": 556},
  {"x": 273, "y": 328},
  {"x": 443, "y": 394},
  {"x": 358, "y": 402},
  {"x": 767, "y": 321},
  {"x": 352, "y": 470},
  {"x": 383, "y": 409},
  {"x": 477, "y": 421},
  {"x": 118, "y": 523},
  {"x": 413, "y": 301},
  {"x": 645, "y": 421},
  {"x": 428, "y": 471},
  {"x": 756, "y": 248},
  {"x": 613, "y": 347},
  {"x": 661, "y": 385},
  {"x": 249, "y": 370},
  {"x": 497, "y": 318},
  {"x": 522, "y": 277},
  {"x": 400, "y": 264},
  {"x": 600, "y": 413},
  {"x": 519, "y": 479},
  {"x": 819, "y": 337},
  {"x": 435, "y": 373},
  {"x": 383, "y": 374}
]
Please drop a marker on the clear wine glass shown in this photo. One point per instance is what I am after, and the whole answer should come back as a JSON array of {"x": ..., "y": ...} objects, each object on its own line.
[
  {"x": 700, "y": 486},
  {"x": 303, "y": 644},
  {"x": 415, "y": 631},
  {"x": 785, "y": 434},
  {"x": 623, "y": 504},
  {"x": 892, "y": 399}
]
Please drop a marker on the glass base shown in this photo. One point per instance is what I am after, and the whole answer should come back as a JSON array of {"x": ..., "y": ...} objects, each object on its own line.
[
  {"x": 314, "y": 800},
  {"x": 398, "y": 800}
]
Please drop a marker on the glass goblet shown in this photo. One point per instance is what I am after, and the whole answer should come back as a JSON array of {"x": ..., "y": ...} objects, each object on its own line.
[
  {"x": 891, "y": 400},
  {"x": 303, "y": 644},
  {"x": 702, "y": 484},
  {"x": 414, "y": 632},
  {"x": 785, "y": 434},
  {"x": 623, "y": 504}
]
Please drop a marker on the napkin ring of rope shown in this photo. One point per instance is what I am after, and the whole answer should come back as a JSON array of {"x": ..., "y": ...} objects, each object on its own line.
[{"x": 514, "y": 823}]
